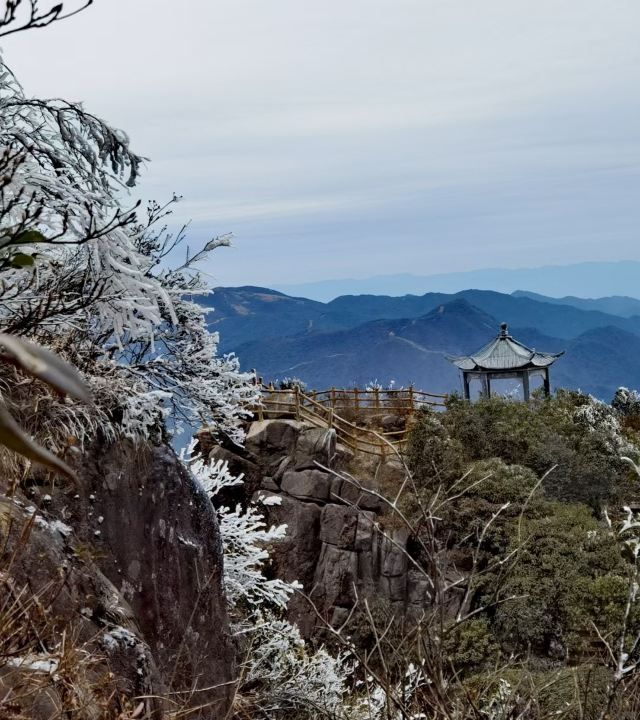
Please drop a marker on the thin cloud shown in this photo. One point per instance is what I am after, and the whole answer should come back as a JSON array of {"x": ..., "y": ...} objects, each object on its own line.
[{"x": 369, "y": 136}]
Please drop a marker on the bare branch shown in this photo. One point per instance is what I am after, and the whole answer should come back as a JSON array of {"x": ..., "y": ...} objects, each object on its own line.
[{"x": 19, "y": 16}]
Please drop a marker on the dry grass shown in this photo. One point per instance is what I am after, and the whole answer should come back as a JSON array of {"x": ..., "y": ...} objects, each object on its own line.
[{"x": 63, "y": 426}]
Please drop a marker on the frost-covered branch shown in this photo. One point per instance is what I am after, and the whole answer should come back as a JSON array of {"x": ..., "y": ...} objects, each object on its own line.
[
  {"x": 246, "y": 539},
  {"x": 80, "y": 272}
]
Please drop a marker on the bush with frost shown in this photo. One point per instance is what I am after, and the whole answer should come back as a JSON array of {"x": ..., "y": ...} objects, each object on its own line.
[
  {"x": 86, "y": 276},
  {"x": 280, "y": 672}
]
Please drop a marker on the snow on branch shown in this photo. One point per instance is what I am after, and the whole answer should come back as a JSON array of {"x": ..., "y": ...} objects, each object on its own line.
[
  {"x": 245, "y": 538},
  {"x": 79, "y": 270},
  {"x": 279, "y": 668}
]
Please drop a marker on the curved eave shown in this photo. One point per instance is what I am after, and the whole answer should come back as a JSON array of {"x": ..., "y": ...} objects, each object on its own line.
[
  {"x": 537, "y": 360},
  {"x": 464, "y": 363},
  {"x": 545, "y": 359}
]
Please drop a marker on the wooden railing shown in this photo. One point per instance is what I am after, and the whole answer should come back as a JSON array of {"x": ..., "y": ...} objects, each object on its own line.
[
  {"x": 372, "y": 402},
  {"x": 327, "y": 409}
]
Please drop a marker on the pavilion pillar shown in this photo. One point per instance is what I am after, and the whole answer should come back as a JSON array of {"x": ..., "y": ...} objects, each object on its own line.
[
  {"x": 525, "y": 385},
  {"x": 547, "y": 384},
  {"x": 487, "y": 385},
  {"x": 465, "y": 386}
]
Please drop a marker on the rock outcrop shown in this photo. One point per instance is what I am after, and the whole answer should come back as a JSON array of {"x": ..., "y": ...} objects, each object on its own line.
[
  {"x": 335, "y": 545},
  {"x": 129, "y": 562},
  {"x": 127, "y": 567}
]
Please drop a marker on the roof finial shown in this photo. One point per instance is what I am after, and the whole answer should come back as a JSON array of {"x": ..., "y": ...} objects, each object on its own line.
[{"x": 504, "y": 329}]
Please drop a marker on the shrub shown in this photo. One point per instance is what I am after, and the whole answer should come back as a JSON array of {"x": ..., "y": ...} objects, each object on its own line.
[
  {"x": 574, "y": 434},
  {"x": 471, "y": 647},
  {"x": 434, "y": 456},
  {"x": 566, "y": 554}
]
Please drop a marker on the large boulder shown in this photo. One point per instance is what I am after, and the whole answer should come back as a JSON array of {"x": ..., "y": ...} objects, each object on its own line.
[
  {"x": 295, "y": 557},
  {"x": 155, "y": 536},
  {"x": 352, "y": 493},
  {"x": 315, "y": 445},
  {"x": 272, "y": 437}
]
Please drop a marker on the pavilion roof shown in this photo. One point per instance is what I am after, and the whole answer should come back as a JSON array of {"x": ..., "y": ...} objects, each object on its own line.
[{"x": 505, "y": 353}]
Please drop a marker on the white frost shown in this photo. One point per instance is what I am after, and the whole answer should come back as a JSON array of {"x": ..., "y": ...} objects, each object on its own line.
[{"x": 119, "y": 637}]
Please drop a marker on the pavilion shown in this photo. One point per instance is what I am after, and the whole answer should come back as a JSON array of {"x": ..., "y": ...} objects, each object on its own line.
[{"x": 505, "y": 358}]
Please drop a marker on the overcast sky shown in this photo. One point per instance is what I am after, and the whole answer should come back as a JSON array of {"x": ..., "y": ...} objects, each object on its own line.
[{"x": 348, "y": 138}]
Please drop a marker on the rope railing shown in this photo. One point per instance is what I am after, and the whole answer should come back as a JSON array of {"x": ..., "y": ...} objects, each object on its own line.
[{"x": 325, "y": 409}]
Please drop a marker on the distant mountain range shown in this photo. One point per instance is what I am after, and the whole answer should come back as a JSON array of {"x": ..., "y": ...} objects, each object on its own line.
[
  {"x": 355, "y": 339},
  {"x": 589, "y": 279},
  {"x": 616, "y": 305}
]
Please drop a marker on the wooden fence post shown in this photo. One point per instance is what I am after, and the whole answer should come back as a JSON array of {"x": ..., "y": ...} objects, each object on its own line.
[
  {"x": 377, "y": 398},
  {"x": 297, "y": 396},
  {"x": 330, "y": 420}
]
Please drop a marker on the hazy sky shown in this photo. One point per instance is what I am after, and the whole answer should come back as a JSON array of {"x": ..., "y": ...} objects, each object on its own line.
[{"x": 363, "y": 137}]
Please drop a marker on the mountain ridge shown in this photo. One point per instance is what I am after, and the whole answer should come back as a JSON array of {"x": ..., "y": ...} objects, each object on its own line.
[
  {"x": 584, "y": 279},
  {"x": 621, "y": 305},
  {"x": 404, "y": 351},
  {"x": 245, "y": 314}
]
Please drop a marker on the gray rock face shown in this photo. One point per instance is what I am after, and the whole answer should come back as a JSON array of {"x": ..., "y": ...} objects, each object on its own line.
[
  {"x": 272, "y": 436},
  {"x": 336, "y": 577},
  {"x": 307, "y": 484},
  {"x": 394, "y": 561},
  {"x": 364, "y": 532},
  {"x": 334, "y": 544},
  {"x": 338, "y": 525},
  {"x": 296, "y": 556},
  {"x": 391, "y": 422},
  {"x": 418, "y": 588},
  {"x": 348, "y": 492},
  {"x": 157, "y": 540},
  {"x": 315, "y": 445}
]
